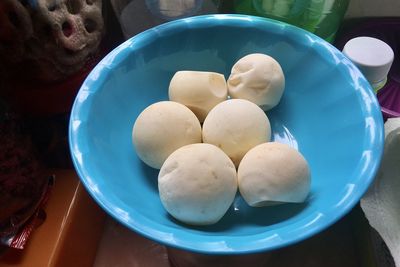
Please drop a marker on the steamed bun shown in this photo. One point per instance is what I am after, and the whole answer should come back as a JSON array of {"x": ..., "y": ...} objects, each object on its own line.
[
  {"x": 197, "y": 184},
  {"x": 236, "y": 126},
  {"x": 162, "y": 128},
  {"x": 273, "y": 173},
  {"x": 258, "y": 78},
  {"x": 198, "y": 90}
]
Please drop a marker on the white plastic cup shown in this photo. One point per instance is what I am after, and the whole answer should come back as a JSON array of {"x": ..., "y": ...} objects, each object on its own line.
[{"x": 372, "y": 56}]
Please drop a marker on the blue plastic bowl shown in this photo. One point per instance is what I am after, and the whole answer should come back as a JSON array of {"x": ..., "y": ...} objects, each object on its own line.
[{"x": 328, "y": 112}]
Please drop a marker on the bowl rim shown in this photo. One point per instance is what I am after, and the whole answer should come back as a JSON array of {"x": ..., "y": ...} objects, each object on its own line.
[{"x": 231, "y": 244}]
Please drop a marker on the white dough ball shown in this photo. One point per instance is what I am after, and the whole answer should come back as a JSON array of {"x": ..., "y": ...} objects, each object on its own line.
[
  {"x": 273, "y": 173},
  {"x": 258, "y": 78},
  {"x": 236, "y": 126},
  {"x": 197, "y": 184},
  {"x": 162, "y": 128},
  {"x": 198, "y": 90}
]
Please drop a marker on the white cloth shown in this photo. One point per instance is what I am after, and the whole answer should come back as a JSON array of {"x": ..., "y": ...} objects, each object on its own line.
[{"x": 381, "y": 204}]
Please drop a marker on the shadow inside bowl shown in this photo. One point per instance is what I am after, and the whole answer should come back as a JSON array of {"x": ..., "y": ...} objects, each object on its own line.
[
  {"x": 266, "y": 216},
  {"x": 150, "y": 176},
  {"x": 241, "y": 214}
]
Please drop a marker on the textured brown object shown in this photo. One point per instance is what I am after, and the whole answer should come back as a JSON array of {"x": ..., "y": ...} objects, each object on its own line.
[
  {"x": 76, "y": 29},
  {"x": 21, "y": 181},
  {"x": 53, "y": 39},
  {"x": 15, "y": 29}
]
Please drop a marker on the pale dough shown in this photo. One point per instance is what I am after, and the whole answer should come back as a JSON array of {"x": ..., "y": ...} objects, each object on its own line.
[
  {"x": 273, "y": 173},
  {"x": 197, "y": 184},
  {"x": 162, "y": 128}
]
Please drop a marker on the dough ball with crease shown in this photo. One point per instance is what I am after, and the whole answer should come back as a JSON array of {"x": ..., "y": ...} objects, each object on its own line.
[
  {"x": 162, "y": 128},
  {"x": 197, "y": 184},
  {"x": 273, "y": 173},
  {"x": 200, "y": 91},
  {"x": 236, "y": 126},
  {"x": 258, "y": 78}
]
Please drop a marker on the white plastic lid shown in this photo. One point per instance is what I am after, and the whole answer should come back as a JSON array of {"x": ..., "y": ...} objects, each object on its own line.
[{"x": 372, "y": 56}]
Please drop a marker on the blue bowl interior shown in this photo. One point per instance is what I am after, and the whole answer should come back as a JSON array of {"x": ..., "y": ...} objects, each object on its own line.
[{"x": 328, "y": 112}]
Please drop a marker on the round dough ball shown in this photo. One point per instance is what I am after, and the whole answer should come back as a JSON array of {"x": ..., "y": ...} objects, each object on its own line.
[
  {"x": 198, "y": 90},
  {"x": 273, "y": 173},
  {"x": 162, "y": 128},
  {"x": 236, "y": 126},
  {"x": 258, "y": 78},
  {"x": 197, "y": 184}
]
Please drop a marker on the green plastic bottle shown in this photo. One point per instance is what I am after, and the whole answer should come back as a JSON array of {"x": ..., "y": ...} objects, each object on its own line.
[{"x": 322, "y": 17}]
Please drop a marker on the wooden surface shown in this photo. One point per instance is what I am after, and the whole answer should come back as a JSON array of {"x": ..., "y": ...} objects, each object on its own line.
[{"x": 70, "y": 233}]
